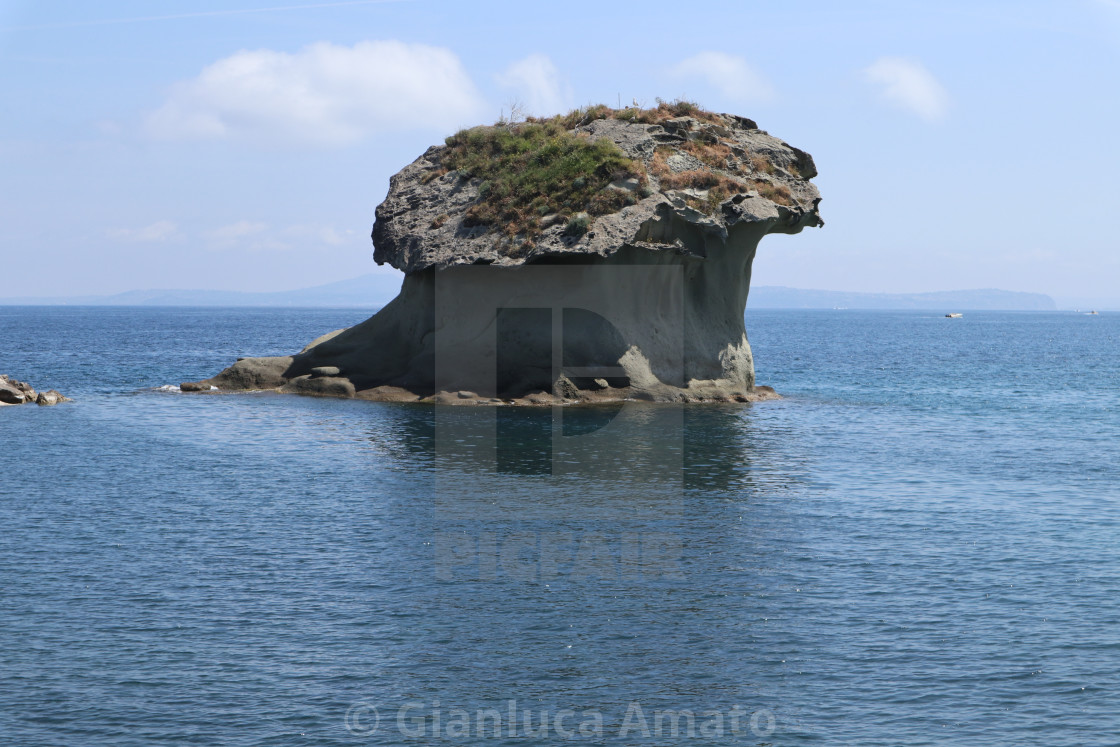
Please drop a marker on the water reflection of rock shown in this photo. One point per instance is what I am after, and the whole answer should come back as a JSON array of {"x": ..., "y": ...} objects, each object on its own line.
[
  {"x": 736, "y": 451},
  {"x": 716, "y": 447},
  {"x": 724, "y": 448},
  {"x": 587, "y": 491},
  {"x": 637, "y": 557}
]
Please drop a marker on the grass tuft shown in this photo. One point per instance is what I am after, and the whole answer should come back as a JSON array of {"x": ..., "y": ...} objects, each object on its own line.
[
  {"x": 715, "y": 155},
  {"x": 578, "y": 225}
]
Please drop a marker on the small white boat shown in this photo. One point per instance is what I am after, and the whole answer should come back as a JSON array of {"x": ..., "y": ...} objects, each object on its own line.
[{"x": 953, "y": 316}]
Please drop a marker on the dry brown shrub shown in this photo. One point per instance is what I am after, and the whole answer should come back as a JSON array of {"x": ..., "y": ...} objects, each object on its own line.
[
  {"x": 715, "y": 155},
  {"x": 777, "y": 193},
  {"x": 761, "y": 163},
  {"x": 658, "y": 165},
  {"x": 694, "y": 178}
]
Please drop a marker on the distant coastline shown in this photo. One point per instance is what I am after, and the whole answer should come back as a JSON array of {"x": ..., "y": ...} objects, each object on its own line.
[
  {"x": 374, "y": 290},
  {"x": 987, "y": 299},
  {"x": 367, "y": 291}
]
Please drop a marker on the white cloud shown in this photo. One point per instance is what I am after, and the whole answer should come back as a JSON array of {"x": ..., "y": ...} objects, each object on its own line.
[
  {"x": 538, "y": 84},
  {"x": 242, "y": 235},
  {"x": 909, "y": 86},
  {"x": 254, "y": 236},
  {"x": 330, "y": 236},
  {"x": 234, "y": 231},
  {"x": 325, "y": 94},
  {"x": 159, "y": 231},
  {"x": 312, "y": 236},
  {"x": 728, "y": 74}
]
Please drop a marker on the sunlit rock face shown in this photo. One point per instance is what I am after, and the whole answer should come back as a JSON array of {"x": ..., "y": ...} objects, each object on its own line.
[{"x": 529, "y": 280}]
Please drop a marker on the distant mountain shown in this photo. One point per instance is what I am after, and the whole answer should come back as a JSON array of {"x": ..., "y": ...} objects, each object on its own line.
[
  {"x": 377, "y": 289},
  {"x": 368, "y": 291},
  {"x": 778, "y": 297}
]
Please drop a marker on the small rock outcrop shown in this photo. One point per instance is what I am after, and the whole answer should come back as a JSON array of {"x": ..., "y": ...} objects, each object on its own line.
[
  {"x": 14, "y": 392},
  {"x": 600, "y": 255}
]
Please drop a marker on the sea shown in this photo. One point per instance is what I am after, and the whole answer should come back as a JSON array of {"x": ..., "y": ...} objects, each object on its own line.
[{"x": 918, "y": 545}]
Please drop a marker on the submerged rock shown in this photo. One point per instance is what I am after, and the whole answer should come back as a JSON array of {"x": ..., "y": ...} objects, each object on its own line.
[{"x": 602, "y": 255}]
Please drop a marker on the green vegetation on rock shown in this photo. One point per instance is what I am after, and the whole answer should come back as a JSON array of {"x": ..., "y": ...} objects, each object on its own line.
[{"x": 536, "y": 170}]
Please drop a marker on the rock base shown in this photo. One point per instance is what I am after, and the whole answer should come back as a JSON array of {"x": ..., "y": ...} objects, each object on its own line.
[{"x": 564, "y": 393}]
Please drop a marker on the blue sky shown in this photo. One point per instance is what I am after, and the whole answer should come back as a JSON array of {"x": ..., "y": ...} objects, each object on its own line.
[{"x": 244, "y": 145}]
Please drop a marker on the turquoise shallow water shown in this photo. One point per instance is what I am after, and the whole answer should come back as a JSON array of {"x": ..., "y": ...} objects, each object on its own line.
[{"x": 919, "y": 545}]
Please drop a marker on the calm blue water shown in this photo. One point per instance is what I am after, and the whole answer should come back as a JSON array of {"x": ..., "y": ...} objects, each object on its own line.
[{"x": 919, "y": 545}]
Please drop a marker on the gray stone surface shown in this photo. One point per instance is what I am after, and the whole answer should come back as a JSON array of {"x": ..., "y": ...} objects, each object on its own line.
[
  {"x": 49, "y": 398},
  {"x": 320, "y": 386},
  {"x": 246, "y": 374},
  {"x": 10, "y": 395},
  {"x": 564, "y": 388},
  {"x": 407, "y": 235}
]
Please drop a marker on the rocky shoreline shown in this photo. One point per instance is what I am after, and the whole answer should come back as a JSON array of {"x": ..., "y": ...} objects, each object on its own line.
[
  {"x": 14, "y": 392},
  {"x": 565, "y": 394}
]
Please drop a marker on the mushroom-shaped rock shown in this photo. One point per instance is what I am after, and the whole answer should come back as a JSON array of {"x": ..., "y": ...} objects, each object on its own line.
[{"x": 607, "y": 250}]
